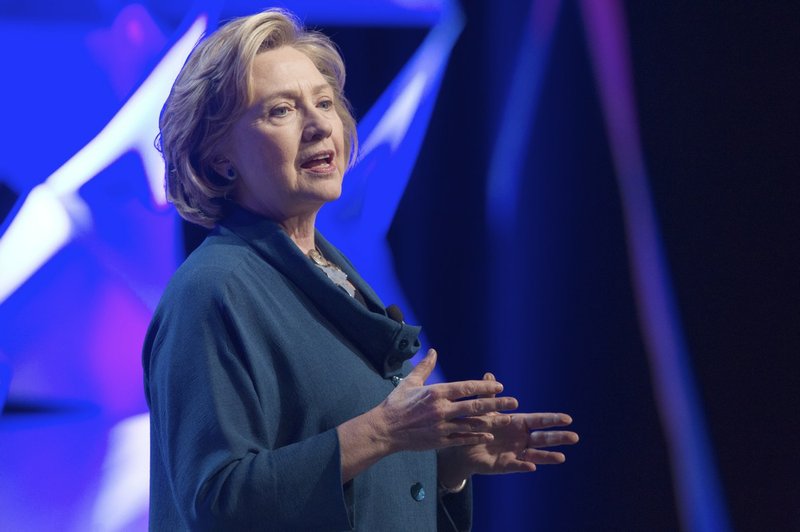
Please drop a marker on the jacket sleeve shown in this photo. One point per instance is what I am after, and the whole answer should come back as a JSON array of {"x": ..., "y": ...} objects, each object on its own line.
[
  {"x": 214, "y": 439},
  {"x": 454, "y": 511}
]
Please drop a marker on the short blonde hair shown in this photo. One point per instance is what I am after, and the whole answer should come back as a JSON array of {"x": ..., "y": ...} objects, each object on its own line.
[{"x": 211, "y": 93}]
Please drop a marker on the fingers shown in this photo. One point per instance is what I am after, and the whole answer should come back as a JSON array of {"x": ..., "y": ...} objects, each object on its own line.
[
  {"x": 462, "y": 389},
  {"x": 490, "y": 378},
  {"x": 537, "y": 456},
  {"x": 423, "y": 370},
  {"x": 478, "y": 424},
  {"x": 479, "y": 407},
  {"x": 552, "y": 438},
  {"x": 537, "y": 440},
  {"x": 545, "y": 420},
  {"x": 486, "y": 388},
  {"x": 455, "y": 439}
]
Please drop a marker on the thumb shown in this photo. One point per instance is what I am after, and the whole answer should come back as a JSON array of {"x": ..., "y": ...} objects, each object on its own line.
[{"x": 423, "y": 370}]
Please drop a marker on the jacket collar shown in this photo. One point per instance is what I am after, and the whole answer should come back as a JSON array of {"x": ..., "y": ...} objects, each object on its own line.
[{"x": 383, "y": 341}]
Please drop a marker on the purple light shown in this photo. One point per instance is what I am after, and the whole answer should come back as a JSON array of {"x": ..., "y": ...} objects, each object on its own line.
[
  {"x": 125, "y": 50},
  {"x": 5, "y": 378},
  {"x": 697, "y": 488}
]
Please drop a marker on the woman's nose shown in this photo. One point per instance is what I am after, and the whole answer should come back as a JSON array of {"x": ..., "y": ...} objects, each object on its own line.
[{"x": 317, "y": 126}]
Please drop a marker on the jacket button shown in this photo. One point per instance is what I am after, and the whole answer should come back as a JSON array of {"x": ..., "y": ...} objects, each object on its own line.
[
  {"x": 403, "y": 344},
  {"x": 417, "y": 492}
]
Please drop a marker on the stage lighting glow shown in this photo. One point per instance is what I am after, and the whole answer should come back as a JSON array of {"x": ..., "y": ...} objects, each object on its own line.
[
  {"x": 43, "y": 225},
  {"x": 71, "y": 202},
  {"x": 700, "y": 501},
  {"x": 519, "y": 113},
  {"x": 40, "y": 228},
  {"x": 395, "y": 122},
  {"x": 123, "y": 493}
]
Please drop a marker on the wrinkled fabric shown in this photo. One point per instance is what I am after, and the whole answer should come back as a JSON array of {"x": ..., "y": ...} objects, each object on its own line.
[{"x": 252, "y": 359}]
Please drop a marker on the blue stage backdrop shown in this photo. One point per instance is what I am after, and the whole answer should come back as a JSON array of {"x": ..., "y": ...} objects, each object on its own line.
[{"x": 505, "y": 197}]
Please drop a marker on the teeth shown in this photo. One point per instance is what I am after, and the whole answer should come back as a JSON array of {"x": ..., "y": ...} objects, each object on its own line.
[{"x": 325, "y": 158}]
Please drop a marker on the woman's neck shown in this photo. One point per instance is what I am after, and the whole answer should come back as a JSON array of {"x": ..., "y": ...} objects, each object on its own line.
[
  {"x": 301, "y": 230},
  {"x": 299, "y": 227}
]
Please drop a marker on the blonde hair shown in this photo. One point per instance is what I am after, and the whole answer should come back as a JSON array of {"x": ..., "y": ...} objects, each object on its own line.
[{"x": 211, "y": 93}]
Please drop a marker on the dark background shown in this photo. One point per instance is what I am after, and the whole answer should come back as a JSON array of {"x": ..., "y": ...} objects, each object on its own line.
[{"x": 716, "y": 89}]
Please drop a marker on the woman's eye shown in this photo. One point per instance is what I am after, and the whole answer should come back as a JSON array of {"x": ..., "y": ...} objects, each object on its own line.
[
  {"x": 279, "y": 112},
  {"x": 326, "y": 104}
]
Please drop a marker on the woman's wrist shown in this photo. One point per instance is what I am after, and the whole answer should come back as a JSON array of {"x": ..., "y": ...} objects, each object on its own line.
[
  {"x": 446, "y": 490},
  {"x": 361, "y": 444},
  {"x": 452, "y": 478}
]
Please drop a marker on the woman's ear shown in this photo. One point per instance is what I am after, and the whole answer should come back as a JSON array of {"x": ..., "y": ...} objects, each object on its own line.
[{"x": 224, "y": 168}]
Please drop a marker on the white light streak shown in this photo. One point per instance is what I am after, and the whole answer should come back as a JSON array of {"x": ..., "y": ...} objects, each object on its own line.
[{"x": 52, "y": 212}]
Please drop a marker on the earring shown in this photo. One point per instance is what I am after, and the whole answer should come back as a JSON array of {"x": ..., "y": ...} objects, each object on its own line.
[{"x": 231, "y": 173}]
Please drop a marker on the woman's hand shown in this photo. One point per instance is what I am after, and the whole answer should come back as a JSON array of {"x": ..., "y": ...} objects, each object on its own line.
[
  {"x": 417, "y": 417},
  {"x": 518, "y": 446}
]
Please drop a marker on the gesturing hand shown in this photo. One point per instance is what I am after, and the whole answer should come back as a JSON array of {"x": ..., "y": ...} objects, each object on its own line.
[
  {"x": 518, "y": 445},
  {"x": 419, "y": 417}
]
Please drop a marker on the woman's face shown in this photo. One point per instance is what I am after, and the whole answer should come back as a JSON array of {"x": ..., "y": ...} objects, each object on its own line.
[{"x": 288, "y": 147}]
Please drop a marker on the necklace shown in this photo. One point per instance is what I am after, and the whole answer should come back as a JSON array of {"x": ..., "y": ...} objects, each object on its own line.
[{"x": 333, "y": 272}]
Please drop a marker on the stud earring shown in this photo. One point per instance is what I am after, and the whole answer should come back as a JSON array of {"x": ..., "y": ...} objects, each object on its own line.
[{"x": 231, "y": 173}]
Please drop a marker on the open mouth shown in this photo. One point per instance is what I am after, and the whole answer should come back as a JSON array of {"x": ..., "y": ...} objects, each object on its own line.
[{"x": 319, "y": 161}]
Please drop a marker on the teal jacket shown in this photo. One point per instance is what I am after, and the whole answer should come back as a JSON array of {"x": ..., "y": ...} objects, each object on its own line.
[{"x": 252, "y": 359}]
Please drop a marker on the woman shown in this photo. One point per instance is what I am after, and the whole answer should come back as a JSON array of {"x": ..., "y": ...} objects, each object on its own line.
[{"x": 279, "y": 385}]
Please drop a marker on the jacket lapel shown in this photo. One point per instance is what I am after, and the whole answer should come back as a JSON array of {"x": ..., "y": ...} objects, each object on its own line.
[{"x": 383, "y": 341}]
